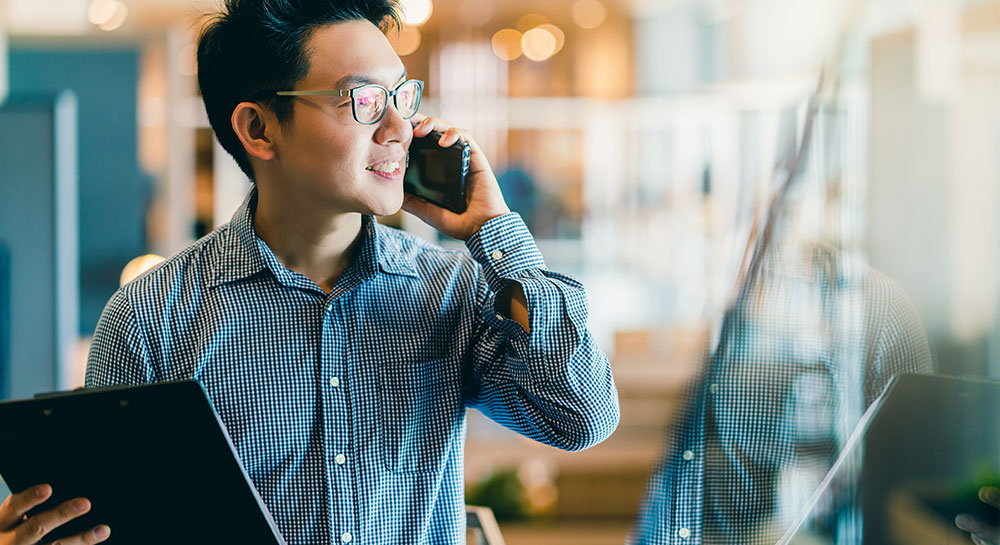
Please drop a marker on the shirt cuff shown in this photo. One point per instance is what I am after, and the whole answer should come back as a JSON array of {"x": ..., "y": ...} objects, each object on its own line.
[{"x": 505, "y": 249}]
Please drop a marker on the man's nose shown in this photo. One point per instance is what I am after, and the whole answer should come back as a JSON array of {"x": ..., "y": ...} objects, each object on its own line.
[{"x": 393, "y": 127}]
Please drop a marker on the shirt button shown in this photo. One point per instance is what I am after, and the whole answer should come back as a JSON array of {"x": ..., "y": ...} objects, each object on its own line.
[
  {"x": 499, "y": 317},
  {"x": 713, "y": 388},
  {"x": 688, "y": 455},
  {"x": 340, "y": 459},
  {"x": 684, "y": 533},
  {"x": 346, "y": 537},
  {"x": 497, "y": 255},
  {"x": 334, "y": 381}
]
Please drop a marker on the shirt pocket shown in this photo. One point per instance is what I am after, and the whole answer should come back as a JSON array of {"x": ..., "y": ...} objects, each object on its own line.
[{"x": 421, "y": 410}]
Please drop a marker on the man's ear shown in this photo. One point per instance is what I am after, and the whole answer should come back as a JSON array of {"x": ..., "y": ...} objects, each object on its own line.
[{"x": 254, "y": 126}]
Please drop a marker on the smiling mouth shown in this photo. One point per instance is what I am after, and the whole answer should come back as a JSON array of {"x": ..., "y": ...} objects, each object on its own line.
[{"x": 385, "y": 167}]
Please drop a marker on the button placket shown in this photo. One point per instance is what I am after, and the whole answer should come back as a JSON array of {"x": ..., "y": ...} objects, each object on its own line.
[{"x": 337, "y": 449}]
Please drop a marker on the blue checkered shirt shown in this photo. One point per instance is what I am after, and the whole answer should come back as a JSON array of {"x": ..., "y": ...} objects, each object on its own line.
[{"x": 347, "y": 408}]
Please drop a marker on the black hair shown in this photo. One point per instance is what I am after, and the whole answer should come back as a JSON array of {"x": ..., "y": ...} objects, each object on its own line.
[{"x": 254, "y": 48}]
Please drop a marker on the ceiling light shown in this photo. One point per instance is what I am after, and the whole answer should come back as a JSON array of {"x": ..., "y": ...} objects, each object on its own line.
[
  {"x": 530, "y": 21},
  {"x": 538, "y": 44},
  {"x": 557, "y": 33},
  {"x": 416, "y": 12},
  {"x": 588, "y": 13},
  {"x": 507, "y": 44},
  {"x": 407, "y": 41},
  {"x": 117, "y": 19}
]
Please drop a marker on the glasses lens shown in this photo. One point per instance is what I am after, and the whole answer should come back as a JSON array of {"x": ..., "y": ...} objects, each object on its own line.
[
  {"x": 408, "y": 98},
  {"x": 369, "y": 103}
]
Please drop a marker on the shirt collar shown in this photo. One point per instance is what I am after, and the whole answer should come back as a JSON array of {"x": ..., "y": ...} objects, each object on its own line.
[
  {"x": 243, "y": 254},
  {"x": 239, "y": 256}
]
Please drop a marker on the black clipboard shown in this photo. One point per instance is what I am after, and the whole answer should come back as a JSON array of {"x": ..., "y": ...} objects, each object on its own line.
[{"x": 155, "y": 461}]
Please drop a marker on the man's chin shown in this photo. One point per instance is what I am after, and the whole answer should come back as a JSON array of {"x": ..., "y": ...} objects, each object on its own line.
[{"x": 387, "y": 207}]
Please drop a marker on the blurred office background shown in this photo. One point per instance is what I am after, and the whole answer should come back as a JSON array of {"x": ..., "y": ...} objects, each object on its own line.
[{"x": 638, "y": 138}]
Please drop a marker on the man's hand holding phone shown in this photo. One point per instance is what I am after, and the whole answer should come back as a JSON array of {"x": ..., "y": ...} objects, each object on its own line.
[
  {"x": 16, "y": 528},
  {"x": 485, "y": 200}
]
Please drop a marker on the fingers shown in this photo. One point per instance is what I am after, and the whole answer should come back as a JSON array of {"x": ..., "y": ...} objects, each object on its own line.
[
  {"x": 450, "y": 134},
  {"x": 982, "y": 533},
  {"x": 94, "y": 535},
  {"x": 38, "y": 526},
  {"x": 423, "y": 126},
  {"x": 16, "y": 505},
  {"x": 990, "y": 495}
]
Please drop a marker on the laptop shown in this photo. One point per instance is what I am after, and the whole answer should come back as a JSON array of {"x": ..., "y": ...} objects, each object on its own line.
[
  {"x": 155, "y": 461},
  {"x": 915, "y": 461}
]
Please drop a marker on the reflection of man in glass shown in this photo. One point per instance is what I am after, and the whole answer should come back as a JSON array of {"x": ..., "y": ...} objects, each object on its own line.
[
  {"x": 795, "y": 366},
  {"x": 812, "y": 338}
]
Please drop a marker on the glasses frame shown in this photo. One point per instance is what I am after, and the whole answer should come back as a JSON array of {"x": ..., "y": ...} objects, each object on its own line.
[{"x": 354, "y": 105}]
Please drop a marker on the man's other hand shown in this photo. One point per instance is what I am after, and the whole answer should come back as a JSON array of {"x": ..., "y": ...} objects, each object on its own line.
[
  {"x": 16, "y": 528},
  {"x": 983, "y": 533}
]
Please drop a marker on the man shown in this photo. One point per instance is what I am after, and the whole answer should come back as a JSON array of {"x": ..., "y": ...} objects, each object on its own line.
[{"x": 341, "y": 354}]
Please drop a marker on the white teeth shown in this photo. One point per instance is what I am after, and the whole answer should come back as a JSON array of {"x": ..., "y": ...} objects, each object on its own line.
[{"x": 386, "y": 166}]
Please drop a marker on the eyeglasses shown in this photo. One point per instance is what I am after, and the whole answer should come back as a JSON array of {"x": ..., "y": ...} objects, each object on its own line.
[{"x": 368, "y": 102}]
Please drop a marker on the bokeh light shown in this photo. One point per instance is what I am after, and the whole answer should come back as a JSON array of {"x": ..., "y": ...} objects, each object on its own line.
[
  {"x": 588, "y": 13},
  {"x": 529, "y": 21},
  {"x": 476, "y": 12},
  {"x": 100, "y": 11},
  {"x": 137, "y": 266},
  {"x": 407, "y": 41},
  {"x": 538, "y": 44},
  {"x": 416, "y": 12},
  {"x": 107, "y": 14},
  {"x": 507, "y": 44},
  {"x": 557, "y": 33}
]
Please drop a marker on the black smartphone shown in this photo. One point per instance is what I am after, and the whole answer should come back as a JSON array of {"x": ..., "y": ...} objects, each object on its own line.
[{"x": 437, "y": 174}]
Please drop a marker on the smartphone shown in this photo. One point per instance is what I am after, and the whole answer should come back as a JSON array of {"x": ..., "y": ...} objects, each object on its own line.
[{"x": 437, "y": 174}]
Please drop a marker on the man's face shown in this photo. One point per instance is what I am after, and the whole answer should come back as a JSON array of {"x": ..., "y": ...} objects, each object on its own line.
[{"x": 326, "y": 156}]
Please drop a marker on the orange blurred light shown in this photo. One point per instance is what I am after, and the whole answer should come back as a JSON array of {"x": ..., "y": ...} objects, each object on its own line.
[
  {"x": 557, "y": 33},
  {"x": 137, "y": 266},
  {"x": 107, "y": 14},
  {"x": 589, "y": 13},
  {"x": 530, "y": 21},
  {"x": 416, "y": 12},
  {"x": 121, "y": 13},
  {"x": 101, "y": 11},
  {"x": 538, "y": 44},
  {"x": 507, "y": 44},
  {"x": 476, "y": 12},
  {"x": 407, "y": 41}
]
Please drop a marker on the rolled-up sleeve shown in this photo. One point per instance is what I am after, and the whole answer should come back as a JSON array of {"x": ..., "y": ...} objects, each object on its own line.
[{"x": 553, "y": 385}]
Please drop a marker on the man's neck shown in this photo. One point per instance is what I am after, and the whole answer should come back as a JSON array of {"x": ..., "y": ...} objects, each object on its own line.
[{"x": 305, "y": 238}]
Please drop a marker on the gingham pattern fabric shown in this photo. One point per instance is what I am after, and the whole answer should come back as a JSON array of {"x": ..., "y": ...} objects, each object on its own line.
[
  {"x": 796, "y": 364},
  {"x": 347, "y": 409}
]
